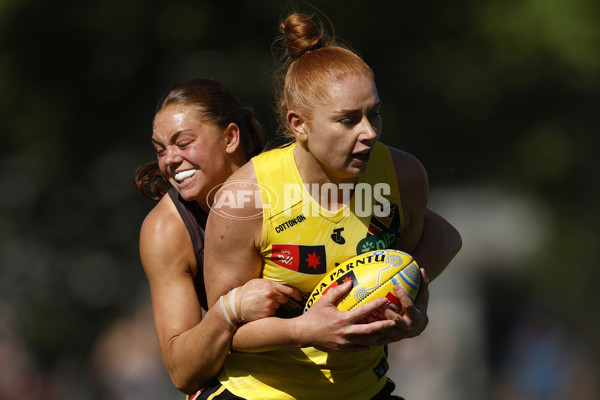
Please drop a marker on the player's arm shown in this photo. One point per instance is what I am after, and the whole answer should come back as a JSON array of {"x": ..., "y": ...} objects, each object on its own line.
[
  {"x": 323, "y": 327},
  {"x": 233, "y": 235},
  {"x": 428, "y": 237},
  {"x": 193, "y": 348},
  {"x": 439, "y": 243},
  {"x": 232, "y": 257}
]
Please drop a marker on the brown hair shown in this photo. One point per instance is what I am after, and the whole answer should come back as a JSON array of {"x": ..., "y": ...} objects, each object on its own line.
[
  {"x": 313, "y": 63},
  {"x": 213, "y": 103}
]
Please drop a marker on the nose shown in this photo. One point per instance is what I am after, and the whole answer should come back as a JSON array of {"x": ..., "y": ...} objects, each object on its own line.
[
  {"x": 368, "y": 132},
  {"x": 172, "y": 156}
]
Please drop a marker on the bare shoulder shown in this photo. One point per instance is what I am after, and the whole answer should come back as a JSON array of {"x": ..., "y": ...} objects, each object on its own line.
[
  {"x": 409, "y": 170},
  {"x": 162, "y": 221},
  {"x": 164, "y": 239},
  {"x": 238, "y": 198},
  {"x": 414, "y": 193},
  {"x": 245, "y": 172}
]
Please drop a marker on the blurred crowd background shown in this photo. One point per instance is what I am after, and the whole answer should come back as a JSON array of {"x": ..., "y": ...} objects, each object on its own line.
[{"x": 499, "y": 99}]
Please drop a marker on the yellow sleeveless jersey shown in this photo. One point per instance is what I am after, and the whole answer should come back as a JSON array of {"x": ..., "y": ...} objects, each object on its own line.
[{"x": 301, "y": 242}]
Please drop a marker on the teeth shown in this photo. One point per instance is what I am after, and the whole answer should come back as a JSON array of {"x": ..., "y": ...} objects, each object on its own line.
[{"x": 184, "y": 174}]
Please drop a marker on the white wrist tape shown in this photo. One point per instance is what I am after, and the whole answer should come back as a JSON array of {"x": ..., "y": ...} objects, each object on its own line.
[
  {"x": 223, "y": 308},
  {"x": 231, "y": 305}
]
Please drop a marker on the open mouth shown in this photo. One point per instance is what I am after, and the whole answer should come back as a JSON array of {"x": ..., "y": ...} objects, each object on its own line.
[
  {"x": 362, "y": 156},
  {"x": 183, "y": 175}
]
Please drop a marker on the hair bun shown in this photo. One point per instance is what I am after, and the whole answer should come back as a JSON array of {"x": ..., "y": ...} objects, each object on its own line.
[{"x": 301, "y": 35}]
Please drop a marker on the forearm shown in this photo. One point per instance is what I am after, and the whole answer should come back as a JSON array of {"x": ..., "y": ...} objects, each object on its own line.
[
  {"x": 439, "y": 244},
  {"x": 268, "y": 334},
  {"x": 323, "y": 326},
  {"x": 195, "y": 357}
]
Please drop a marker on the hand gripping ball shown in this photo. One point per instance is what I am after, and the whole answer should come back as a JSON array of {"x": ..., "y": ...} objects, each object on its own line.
[{"x": 373, "y": 275}]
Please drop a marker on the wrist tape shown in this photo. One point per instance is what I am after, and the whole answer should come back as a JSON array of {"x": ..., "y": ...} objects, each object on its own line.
[{"x": 231, "y": 305}]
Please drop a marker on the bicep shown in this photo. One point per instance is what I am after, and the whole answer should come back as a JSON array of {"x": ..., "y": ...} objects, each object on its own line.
[
  {"x": 231, "y": 253},
  {"x": 166, "y": 254},
  {"x": 413, "y": 186}
]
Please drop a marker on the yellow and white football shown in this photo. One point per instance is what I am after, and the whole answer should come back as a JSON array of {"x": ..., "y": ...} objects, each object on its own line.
[{"x": 373, "y": 275}]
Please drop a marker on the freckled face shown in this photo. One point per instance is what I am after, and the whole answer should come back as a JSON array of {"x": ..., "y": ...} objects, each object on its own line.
[
  {"x": 191, "y": 153},
  {"x": 342, "y": 133}
]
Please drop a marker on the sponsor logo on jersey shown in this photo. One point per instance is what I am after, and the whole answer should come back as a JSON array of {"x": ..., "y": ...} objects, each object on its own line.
[
  {"x": 337, "y": 237},
  {"x": 383, "y": 232},
  {"x": 311, "y": 260},
  {"x": 381, "y": 369},
  {"x": 288, "y": 224}
]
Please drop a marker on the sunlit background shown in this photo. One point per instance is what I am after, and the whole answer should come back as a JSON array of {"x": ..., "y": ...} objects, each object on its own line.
[{"x": 499, "y": 99}]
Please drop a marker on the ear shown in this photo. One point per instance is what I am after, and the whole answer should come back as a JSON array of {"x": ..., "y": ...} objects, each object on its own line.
[
  {"x": 232, "y": 138},
  {"x": 297, "y": 125}
]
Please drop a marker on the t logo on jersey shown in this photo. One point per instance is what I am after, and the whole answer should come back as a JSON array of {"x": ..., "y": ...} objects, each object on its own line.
[
  {"x": 310, "y": 260},
  {"x": 337, "y": 237}
]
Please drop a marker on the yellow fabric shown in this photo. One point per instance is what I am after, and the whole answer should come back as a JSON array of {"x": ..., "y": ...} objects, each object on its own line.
[{"x": 301, "y": 242}]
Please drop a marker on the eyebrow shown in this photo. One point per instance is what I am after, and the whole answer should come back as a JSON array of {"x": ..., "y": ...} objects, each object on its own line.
[
  {"x": 355, "y": 110},
  {"x": 173, "y": 138},
  {"x": 345, "y": 111}
]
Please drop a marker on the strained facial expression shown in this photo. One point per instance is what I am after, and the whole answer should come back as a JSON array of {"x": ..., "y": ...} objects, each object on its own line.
[{"x": 190, "y": 152}]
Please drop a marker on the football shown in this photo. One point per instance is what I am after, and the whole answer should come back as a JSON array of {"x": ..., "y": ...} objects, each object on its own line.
[{"x": 373, "y": 275}]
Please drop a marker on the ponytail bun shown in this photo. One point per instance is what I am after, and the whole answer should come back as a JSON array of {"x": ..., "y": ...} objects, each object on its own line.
[
  {"x": 301, "y": 35},
  {"x": 313, "y": 63}
]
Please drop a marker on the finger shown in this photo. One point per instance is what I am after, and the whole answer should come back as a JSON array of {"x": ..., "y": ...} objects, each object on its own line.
[
  {"x": 263, "y": 292},
  {"x": 414, "y": 310},
  {"x": 422, "y": 300},
  {"x": 404, "y": 326},
  {"x": 408, "y": 313},
  {"x": 363, "y": 311},
  {"x": 424, "y": 277},
  {"x": 370, "y": 331},
  {"x": 273, "y": 291},
  {"x": 405, "y": 301},
  {"x": 288, "y": 291},
  {"x": 279, "y": 298},
  {"x": 334, "y": 294},
  {"x": 382, "y": 336}
]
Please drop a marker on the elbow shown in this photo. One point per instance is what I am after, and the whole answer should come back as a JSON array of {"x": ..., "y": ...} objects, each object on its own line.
[
  {"x": 187, "y": 380},
  {"x": 187, "y": 376},
  {"x": 187, "y": 385},
  {"x": 457, "y": 241},
  {"x": 181, "y": 382},
  {"x": 188, "y": 370},
  {"x": 186, "y": 389},
  {"x": 453, "y": 243}
]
